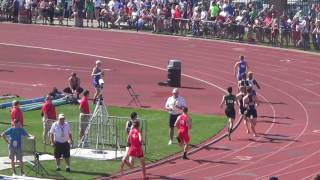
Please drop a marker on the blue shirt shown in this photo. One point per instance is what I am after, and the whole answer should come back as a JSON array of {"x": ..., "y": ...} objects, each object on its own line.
[
  {"x": 96, "y": 78},
  {"x": 14, "y": 135}
]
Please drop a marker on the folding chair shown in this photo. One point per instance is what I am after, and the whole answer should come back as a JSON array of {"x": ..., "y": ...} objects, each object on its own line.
[{"x": 134, "y": 96}]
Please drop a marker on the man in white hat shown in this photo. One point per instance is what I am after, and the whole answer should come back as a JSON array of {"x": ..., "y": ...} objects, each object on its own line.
[
  {"x": 61, "y": 140},
  {"x": 174, "y": 106}
]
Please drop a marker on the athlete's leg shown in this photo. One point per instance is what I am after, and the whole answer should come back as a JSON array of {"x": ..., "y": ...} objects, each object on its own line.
[{"x": 143, "y": 167}]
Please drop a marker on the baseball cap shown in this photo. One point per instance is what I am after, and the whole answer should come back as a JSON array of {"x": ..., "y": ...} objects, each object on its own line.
[{"x": 61, "y": 116}]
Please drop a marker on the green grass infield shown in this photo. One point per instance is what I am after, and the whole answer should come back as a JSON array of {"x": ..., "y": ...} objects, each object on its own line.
[{"x": 204, "y": 127}]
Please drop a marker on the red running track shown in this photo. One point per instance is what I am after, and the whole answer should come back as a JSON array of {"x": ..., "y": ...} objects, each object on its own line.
[{"x": 288, "y": 142}]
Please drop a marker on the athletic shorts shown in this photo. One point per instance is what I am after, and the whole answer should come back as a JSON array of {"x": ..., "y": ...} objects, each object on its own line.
[
  {"x": 172, "y": 119},
  {"x": 135, "y": 152},
  {"x": 242, "y": 110},
  {"x": 61, "y": 149},
  {"x": 184, "y": 136},
  {"x": 251, "y": 112},
  {"x": 84, "y": 121},
  {"x": 15, "y": 152},
  {"x": 230, "y": 113}
]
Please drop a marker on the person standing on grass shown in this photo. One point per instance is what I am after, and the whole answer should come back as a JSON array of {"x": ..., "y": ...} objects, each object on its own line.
[
  {"x": 48, "y": 112},
  {"x": 184, "y": 123},
  {"x": 250, "y": 101},
  {"x": 61, "y": 140},
  {"x": 174, "y": 106},
  {"x": 96, "y": 76},
  {"x": 14, "y": 143},
  {"x": 16, "y": 113},
  {"x": 229, "y": 100},
  {"x": 84, "y": 113},
  {"x": 135, "y": 143},
  {"x": 240, "y": 68}
]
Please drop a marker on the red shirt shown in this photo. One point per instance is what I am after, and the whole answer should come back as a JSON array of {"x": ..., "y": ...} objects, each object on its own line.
[
  {"x": 84, "y": 105},
  {"x": 16, "y": 113},
  {"x": 177, "y": 14},
  {"x": 134, "y": 138},
  {"x": 49, "y": 110}
]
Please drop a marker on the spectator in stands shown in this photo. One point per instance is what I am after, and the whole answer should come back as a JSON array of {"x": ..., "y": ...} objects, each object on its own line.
[
  {"x": 176, "y": 18},
  {"x": 15, "y": 150},
  {"x": 15, "y": 10},
  {"x": 74, "y": 86},
  {"x": 50, "y": 11},
  {"x": 89, "y": 6},
  {"x": 274, "y": 29},
  {"x": 104, "y": 17},
  {"x": 61, "y": 140},
  {"x": 304, "y": 27},
  {"x": 214, "y": 10},
  {"x": 16, "y": 114},
  {"x": 97, "y": 9},
  {"x": 295, "y": 30},
  {"x": 196, "y": 21},
  {"x": 59, "y": 12},
  {"x": 284, "y": 30},
  {"x": 49, "y": 116},
  {"x": 316, "y": 33}
]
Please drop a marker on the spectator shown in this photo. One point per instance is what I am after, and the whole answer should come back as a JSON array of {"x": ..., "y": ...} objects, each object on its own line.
[
  {"x": 59, "y": 12},
  {"x": 284, "y": 30},
  {"x": 50, "y": 11},
  {"x": 97, "y": 9},
  {"x": 16, "y": 114},
  {"x": 49, "y": 116},
  {"x": 15, "y": 150},
  {"x": 74, "y": 86},
  {"x": 61, "y": 140},
  {"x": 176, "y": 18},
  {"x": 89, "y": 6},
  {"x": 214, "y": 10},
  {"x": 84, "y": 113},
  {"x": 15, "y": 10},
  {"x": 174, "y": 106},
  {"x": 316, "y": 33}
]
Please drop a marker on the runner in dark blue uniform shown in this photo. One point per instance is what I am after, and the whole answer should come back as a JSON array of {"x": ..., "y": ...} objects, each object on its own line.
[
  {"x": 228, "y": 100},
  {"x": 240, "y": 68},
  {"x": 251, "y": 102},
  {"x": 242, "y": 108}
]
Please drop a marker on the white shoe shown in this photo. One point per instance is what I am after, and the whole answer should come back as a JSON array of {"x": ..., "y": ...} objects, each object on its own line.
[
  {"x": 13, "y": 174},
  {"x": 170, "y": 142},
  {"x": 23, "y": 175}
]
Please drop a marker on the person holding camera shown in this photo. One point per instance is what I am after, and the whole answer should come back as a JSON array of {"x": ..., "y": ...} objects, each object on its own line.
[
  {"x": 97, "y": 80},
  {"x": 14, "y": 143},
  {"x": 61, "y": 140}
]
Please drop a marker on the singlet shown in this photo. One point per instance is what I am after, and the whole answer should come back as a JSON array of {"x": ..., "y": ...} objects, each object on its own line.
[
  {"x": 253, "y": 84},
  {"x": 242, "y": 67},
  {"x": 229, "y": 100},
  {"x": 244, "y": 83},
  {"x": 183, "y": 122},
  {"x": 134, "y": 138},
  {"x": 251, "y": 103},
  {"x": 96, "y": 78}
]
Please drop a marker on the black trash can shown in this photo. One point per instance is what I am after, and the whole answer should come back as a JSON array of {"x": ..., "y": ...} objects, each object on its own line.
[{"x": 174, "y": 73}]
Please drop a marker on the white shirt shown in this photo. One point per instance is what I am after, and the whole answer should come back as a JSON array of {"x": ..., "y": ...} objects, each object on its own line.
[
  {"x": 60, "y": 132},
  {"x": 172, "y": 102}
]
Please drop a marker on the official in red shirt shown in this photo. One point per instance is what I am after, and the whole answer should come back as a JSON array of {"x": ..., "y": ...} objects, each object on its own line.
[
  {"x": 49, "y": 116},
  {"x": 16, "y": 113},
  {"x": 84, "y": 112}
]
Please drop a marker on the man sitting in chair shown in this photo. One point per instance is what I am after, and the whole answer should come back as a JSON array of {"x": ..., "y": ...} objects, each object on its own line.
[{"x": 74, "y": 86}]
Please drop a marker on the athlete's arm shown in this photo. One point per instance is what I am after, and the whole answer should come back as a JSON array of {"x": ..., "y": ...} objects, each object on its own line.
[
  {"x": 190, "y": 122},
  {"x": 256, "y": 100},
  {"x": 257, "y": 84},
  {"x": 236, "y": 68},
  {"x": 222, "y": 102},
  {"x": 177, "y": 121}
]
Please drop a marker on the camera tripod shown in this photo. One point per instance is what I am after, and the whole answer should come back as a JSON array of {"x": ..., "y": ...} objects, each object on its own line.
[{"x": 37, "y": 167}]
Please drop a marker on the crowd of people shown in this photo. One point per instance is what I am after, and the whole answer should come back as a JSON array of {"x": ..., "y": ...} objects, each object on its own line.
[{"x": 217, "y": 18}]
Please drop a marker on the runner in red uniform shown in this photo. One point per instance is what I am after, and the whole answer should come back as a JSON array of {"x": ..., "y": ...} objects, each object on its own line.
[
  {"x": 183, "y": 124},
  {"x": 135, "y": 150}
]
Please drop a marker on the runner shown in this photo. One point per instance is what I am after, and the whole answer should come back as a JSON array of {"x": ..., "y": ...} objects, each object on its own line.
[
  {"x": 229, "y": 100},
  {"x": 184, "y": 123},
  {"x": 97, "y": 74},
  {"x": 240, "y": 68},
  {"x": 243, "y": 81},
  {"x": 253, "y": 83},
  {"x": 250, "y": 101},
  {"x": 135, "y": 150},
  {"x": 242, "y": 109}
]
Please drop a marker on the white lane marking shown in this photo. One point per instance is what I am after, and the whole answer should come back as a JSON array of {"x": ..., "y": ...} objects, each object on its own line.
[
  {"x": 112, "y": 58},
  {"x": 243, "y": 158}
]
